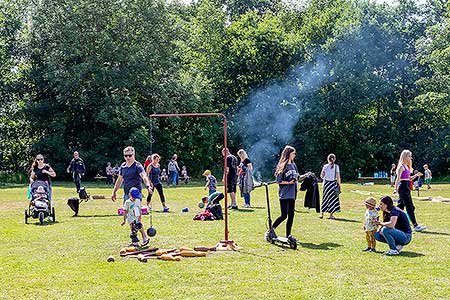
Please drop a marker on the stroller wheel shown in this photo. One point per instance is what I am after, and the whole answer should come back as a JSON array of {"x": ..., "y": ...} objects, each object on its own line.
[
  {"x": 41, "y": 218},
  {"x": 53, "y": 215},
  {"x": 26, "y": 217}
]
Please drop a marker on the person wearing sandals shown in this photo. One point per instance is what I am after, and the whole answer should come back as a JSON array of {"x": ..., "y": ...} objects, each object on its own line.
[
  {"x": 402, "y": 187},
  {"x": 331, "y": 177},
  {"x": 395, "y": 230}
]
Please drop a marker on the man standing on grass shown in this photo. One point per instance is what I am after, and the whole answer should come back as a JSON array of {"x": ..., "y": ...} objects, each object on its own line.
[
  {"x": 131, "y": 173},
  {"x": 77, "y": 168},
  {"x": 231, "y": 174}
]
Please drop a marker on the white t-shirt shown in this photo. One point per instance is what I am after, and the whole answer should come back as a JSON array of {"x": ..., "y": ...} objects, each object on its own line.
[
  {"x": 133, "y": 210},
  {"x": 330, "y": 172}
]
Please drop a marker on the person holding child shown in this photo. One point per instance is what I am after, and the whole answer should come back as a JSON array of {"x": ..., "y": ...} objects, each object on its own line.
[
  {"x": 133, "y": 214},
  {"x": 211, "y": 182},
  {"x": 370, "y": 226},
  {"x": 153, "y": 172},
  {"x": 287, "y": 177},
  {"x": 402, "y": 187},
  {"x": 395, "y": 230}
]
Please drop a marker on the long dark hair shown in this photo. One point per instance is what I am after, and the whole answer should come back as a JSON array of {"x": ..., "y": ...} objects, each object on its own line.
[
  {"x": 284, "y": 159},
  {"x": 390, "y": 204},
  {"x": 331, "y": 159},
  {"x": 35, "y": 163}
]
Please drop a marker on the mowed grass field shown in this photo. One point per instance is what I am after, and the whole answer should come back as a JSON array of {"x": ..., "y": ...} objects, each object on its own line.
[{"x": 67, "y": 260}]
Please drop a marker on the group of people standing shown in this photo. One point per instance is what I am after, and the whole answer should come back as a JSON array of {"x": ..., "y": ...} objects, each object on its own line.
[{"x": 394, "y": 229}]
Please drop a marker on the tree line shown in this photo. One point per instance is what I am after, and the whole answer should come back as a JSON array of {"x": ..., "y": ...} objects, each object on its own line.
[{"x": 355, "y": 78}]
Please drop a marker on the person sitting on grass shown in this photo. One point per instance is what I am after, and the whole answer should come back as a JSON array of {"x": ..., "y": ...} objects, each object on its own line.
[
  {"x": 369, "y": 223},
  {"x": 395, "y": 230},
  {"x": 133, "y": 214}
]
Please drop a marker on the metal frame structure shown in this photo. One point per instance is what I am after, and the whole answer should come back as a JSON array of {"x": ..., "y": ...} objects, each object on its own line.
[{"x": 224, "y": 244}]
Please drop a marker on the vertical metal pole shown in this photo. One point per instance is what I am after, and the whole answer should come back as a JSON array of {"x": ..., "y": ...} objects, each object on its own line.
[{"x": 225, "y": 181}]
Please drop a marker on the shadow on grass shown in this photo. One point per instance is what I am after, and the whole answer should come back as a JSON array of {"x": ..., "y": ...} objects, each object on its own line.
[
  {"x": 304, "y": 211},
  {"x": 255, "y": 255},
  {"x": 95, "y": 216},
  {"x": 435, "y": 232},
  {"x": 346, "y": 220},
  {"x": 411, "y": 254},
  {"x": 45, "y": 223},
  {"x": 323, "y": 246}
]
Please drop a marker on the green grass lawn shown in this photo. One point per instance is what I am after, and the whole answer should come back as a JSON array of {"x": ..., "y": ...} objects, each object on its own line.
[{"x": 67, "y": 260}]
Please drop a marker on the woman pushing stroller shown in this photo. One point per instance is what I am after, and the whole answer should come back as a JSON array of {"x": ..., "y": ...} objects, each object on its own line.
[{"x": 40, "y": 171}]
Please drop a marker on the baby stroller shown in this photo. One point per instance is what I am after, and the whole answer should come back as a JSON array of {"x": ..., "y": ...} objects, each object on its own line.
[{"x": 40, "y": 207}]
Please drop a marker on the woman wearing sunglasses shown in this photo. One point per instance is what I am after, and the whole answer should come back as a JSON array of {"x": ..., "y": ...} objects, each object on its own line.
[{"x": 42, "y": 172}]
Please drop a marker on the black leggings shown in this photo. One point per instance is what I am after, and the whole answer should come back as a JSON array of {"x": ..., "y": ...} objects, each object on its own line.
[
  {"x": 159, "y": 188},
  {"x": 287, "y": 207},
  {"x": 406, "y": 201}
]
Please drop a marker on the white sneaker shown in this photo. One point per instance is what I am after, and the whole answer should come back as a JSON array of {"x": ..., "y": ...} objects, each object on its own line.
[
  {"x": 419, "y": 228},
  {"x": 391, "y": 252},
  {"x": 399, "y": 248},
  {"x": 50, "y": 219},
  {"x": 246, "y": 205}
]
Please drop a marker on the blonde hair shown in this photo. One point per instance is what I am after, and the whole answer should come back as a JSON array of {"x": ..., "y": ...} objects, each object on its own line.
[
  {"x": 402, "y": 160},
  {"x": 155, "y": 155},
  {"x": 244, "y": 154},
  {"x": 284, "y": 159}
]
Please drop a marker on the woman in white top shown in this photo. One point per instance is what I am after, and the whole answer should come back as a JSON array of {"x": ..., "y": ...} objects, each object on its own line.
[{"x": 331, "y": 182}]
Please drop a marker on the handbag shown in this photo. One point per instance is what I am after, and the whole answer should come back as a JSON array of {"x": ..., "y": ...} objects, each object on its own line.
[{"x": 337, "y": 189}]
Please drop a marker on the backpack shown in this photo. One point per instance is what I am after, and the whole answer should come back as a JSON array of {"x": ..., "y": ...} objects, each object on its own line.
[{"x": 172, "y": 167}]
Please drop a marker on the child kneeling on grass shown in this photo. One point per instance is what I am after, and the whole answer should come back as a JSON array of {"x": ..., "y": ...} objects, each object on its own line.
[
  {"x": 370, "y": 226},
  {"x": 132, "y": 214}
]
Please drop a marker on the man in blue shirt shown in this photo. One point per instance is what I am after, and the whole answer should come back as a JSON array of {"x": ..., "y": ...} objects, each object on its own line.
[{"x": 131, "y": 173}]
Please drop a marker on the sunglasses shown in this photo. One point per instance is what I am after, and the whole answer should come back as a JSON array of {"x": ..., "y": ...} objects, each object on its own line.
[
  {"x": 127, "y": 155},
  {"x": 39, "y": 158}
]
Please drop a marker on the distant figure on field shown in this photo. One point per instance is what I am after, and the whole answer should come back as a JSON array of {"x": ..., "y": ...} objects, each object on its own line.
[
  {"x": 428, "y": 175},
  {"x": 77, "y": 168},
  {"x": 109, "y": 174},
  {"x": 393, "y": 168}
]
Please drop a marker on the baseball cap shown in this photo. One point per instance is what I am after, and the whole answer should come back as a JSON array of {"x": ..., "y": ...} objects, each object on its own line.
[{"x": 135, "y": 193}]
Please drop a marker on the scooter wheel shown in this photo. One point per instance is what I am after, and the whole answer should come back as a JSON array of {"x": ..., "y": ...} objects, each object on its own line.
[{"x": 292, "y": 242}]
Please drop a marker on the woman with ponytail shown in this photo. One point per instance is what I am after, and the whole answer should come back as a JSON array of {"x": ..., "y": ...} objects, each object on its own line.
[{"x": 402, "y": 187}]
